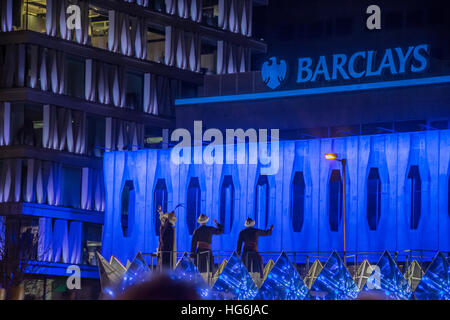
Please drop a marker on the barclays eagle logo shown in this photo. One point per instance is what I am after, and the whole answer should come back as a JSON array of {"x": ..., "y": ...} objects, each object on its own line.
[{"x": 274, "y": 73}]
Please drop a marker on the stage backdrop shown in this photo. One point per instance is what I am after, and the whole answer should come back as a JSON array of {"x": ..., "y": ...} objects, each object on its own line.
[{"x": 397, "y": 196}]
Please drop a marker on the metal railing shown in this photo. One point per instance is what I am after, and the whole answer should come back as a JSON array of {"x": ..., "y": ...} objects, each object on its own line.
[{"x": 303, "y": 260}]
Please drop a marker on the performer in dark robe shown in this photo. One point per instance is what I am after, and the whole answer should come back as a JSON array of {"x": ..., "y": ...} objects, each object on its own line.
[
  {"x": 166, "y": 240},
  {"x": 201, "y": 244},
  {"x": 249, "y": 237}
]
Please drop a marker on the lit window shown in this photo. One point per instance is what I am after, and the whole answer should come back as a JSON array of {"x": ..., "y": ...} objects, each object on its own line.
[
  {"x": 193, "y": 204},
  {"x": 415, "y": 185},
  {"x": 262, "y": 202},
  {"x": 227, "y": 203},
  {"x": 298, "y": 201},
  {"x": 335, "y": 198},
  {"x": 128, "y": 207},
  {"x": 159, "y": 199},
  {"x": 373, "y": 198}
]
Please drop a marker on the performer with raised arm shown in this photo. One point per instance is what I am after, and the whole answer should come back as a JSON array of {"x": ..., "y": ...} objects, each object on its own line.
[
  {"x": 201, "y": 244},
  {"x": 249, "y": 237},
  {"x": 167, "y": 240}
]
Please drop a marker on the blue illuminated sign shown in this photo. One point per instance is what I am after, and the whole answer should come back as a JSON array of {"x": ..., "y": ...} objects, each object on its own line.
[
  {"x": 338, "y": 67},
  {"x": 273, "y": 72},
  {"x": 363, "y": 64}
]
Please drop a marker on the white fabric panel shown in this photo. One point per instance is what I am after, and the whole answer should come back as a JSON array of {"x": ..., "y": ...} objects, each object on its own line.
[
  {"x": 236, "y": 16},
  {"x": 150, "y": 94},
  {"x": 74, "y": 242},
  {"x": 118, "y": 138},
  {"x": 119, "y": 86},
  {"x": 99, "y": 193},
  {"x": 103, "y": 83},
  {"x": 64, "y": 32},
  {"x": 171, "y": 6},
  {"x": 196, "y": 10},
  {"x": 57, "y": 63},
  {"x": 113, "y": 39},
  {"x": 60, "y": 241},
  {"x": 182, "y": 49},
  {"x": 54, "y": 185},
  {"x": 45, "y": 236},
  {"x": 17, "y": 167},
  {"x": 169, "y": 57},
  {"x": 85, "y": 189},
  {"x": 43, "y": 69},
  {"x": 231, "y": 59},
  {"x": 90, "y": 80},
  {"x": 29, "y": 188},
  {"x": 50, "y": 21},
  {"x": 125, "y": 37},
  {"x": 5, "y": 123},
  {"x": 139, "y": 33},
  {"x": 6, "y": 15},
  {"x": 82, "y": 34},
  {"x": 40, "y": 183},
  {"x": 33, "y": 65},
  {"x": 80, "y": 134}
]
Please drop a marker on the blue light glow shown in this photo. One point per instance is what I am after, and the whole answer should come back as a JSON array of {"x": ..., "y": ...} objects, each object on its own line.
[
  {"x": 283, "y": 282},
  {"x": 334, "y": 282},
  {"x": 314, "y": 91}
]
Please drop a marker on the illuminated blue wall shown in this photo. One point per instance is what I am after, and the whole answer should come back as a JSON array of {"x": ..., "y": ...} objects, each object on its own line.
[{"x": 392, "y": 154}]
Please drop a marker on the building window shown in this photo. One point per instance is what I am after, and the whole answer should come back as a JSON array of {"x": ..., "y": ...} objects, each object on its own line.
[
  {"x": 159, "y": 199},
  {"x": 27, "y": 124},
  {"x": 135, "y": 90},
  {"x": 156, "y": 45},
  {"x": 71, "y": 187},
  {"x": 227, "y": 203},
  {"x": 298, "y": 201},
  {"x": 30, "y": 15},
  {"x": 373, "y": 198},
  {"x": 335, "y": 198},
  {"x": 262, "y": 202},
  {"x": 75, "y": 70},
  {"x": 415, "y": 185},
  {"x": 99, "y": 25},
  {"x": 96, "y": 132},
  {"x": 91, "y": 242},
  {"x": 193, "y": 204},
  {"x": 127, "y": 207}
]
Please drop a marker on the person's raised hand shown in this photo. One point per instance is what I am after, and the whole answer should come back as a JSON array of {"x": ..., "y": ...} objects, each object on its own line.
[{"x": 215, "y": 221}]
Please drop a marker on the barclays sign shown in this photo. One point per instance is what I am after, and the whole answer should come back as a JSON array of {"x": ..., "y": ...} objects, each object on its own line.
[
  {"x": 361, "y": 64},
  {"x": 362, "y": 70}
]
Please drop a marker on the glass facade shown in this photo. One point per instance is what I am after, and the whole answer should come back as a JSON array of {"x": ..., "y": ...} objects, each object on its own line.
[
  {"x": 193, "y": 204},
  {"x": 298, "y": 201},
  {"x": 373, "y": 198},
  {"x": 262, "y": 202},
  {"x": 415, "y": 193},
  {"x": 335, "y": 198},
  {"x": 227, "y": 203}
]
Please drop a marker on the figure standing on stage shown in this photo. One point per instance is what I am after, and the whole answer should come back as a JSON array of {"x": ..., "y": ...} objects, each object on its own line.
[
  {"x": 166, "y": 246},
  {"x": 249, "y": 236},
  {"x": 201, "y": 244}
]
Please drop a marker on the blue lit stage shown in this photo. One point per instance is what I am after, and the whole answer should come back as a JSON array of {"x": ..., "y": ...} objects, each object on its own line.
[
  {"x": 397, "y": 200},
  {"x": 282, "y": 281}
]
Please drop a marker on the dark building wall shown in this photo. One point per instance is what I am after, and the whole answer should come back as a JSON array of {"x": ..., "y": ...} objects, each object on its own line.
[{"x": 289, "y": 27}]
